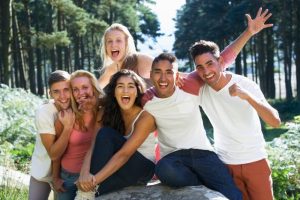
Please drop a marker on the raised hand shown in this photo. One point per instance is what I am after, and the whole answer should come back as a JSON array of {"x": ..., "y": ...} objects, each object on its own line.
[
  {"x": 87, "y": 103},
  {"x": 259, "y": 23},
  {"x": 67, "y": 118}
]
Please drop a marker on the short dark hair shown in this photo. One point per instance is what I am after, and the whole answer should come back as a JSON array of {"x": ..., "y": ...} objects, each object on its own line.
[
  {"x": 164, "y": 56},
  {"x": 203, "y": 46},
  {"x": 57, "y": 76}
]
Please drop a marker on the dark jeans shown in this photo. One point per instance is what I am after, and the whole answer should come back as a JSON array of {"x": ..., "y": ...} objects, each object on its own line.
[
  {"x": 196, "y": 167},
  {"x": 136, "y": 170}
]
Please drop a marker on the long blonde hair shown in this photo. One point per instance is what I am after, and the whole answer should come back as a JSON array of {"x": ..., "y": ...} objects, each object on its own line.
[
  {"x": 130, "y": 47},
  {"x": 98, "y": 92}
]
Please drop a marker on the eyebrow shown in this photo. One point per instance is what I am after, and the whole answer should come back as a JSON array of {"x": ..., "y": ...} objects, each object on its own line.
[
  {"x": 200, "y": 65},
  {"x": 130, "y": 83},
  {"x": 156, "y": 69}
]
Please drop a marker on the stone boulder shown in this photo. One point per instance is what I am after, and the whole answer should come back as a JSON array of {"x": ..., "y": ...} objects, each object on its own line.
[{"x": 161, "y": 192}]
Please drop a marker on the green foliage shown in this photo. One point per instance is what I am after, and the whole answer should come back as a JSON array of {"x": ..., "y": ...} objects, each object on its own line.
[
  {"x": 12, "y": 193},
  {"x": 78, "y": 19},
  {"x": 149, "y": 24},
  {"x": 17, "y": 128},
  {"x": 56, "y": 38},
  {"x": 284, "y": 156},
  {"x": 287, "y": 110}
]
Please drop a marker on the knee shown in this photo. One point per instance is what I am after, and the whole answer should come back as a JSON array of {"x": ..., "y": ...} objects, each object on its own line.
[{"x": 170, "y": 174}]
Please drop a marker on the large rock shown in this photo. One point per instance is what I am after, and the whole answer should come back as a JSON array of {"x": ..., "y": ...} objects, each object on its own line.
[{"x": 160, "y": 192}]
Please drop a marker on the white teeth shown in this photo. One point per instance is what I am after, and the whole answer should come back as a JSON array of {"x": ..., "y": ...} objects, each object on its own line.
[
  {"x": 163, "y": 84},
  {"x": 209, "y": 76}
]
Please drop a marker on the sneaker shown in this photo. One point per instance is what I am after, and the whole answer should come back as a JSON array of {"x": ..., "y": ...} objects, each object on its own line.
[{"x": 80, "y": 195}]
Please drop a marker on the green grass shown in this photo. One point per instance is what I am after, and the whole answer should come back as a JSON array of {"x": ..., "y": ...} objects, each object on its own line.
[{"x": 10, "y": 193}]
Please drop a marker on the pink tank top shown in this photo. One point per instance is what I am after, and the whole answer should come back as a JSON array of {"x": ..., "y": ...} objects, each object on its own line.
[{"x": 79, "y": 144}]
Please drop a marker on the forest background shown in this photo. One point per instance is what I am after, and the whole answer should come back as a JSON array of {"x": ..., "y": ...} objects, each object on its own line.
[{"x": 40, "y": 36}]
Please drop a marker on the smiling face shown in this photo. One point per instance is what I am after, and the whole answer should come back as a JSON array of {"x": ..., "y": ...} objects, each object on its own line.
[
  {"x": 209, "y": 68},
  {"x": 163, "y": 78},
  {"x": 61, "y": 93},
  {"x": 115, "y": 43},
  {"x": 82, "y": 89},
  {"x": 126, "y": 92}
]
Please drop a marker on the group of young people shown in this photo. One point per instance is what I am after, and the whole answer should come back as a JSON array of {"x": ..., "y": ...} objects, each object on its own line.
[{"x": 92, "y": 141}]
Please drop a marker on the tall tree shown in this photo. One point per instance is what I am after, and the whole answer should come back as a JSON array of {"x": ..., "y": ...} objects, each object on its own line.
[
  {"x": 6, "y": 36},
  {"x": 269, "y": 75},
  {"x": 29, "y": 49},
  {"x": 287, "y": 45},
  {"x": 297, "y": 45},
  {"x": 18, "y": 53}
]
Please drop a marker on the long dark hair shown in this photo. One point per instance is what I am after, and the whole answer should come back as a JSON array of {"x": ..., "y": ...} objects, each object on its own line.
[{"x": 112, "y": 116}]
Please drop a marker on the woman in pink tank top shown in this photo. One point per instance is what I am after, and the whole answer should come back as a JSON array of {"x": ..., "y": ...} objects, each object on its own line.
[{"x": 85, "y": 104}]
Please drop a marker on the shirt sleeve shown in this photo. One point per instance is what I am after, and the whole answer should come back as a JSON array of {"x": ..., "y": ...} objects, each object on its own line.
[
  {"x": 44, "y": 121},
  {"x": 228, "y": 56},
  {"x": 192, "y": 83},
  {"x": 148, "y": 95}
]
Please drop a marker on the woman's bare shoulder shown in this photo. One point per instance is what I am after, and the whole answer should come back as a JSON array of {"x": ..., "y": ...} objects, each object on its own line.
[
  {"x": 144, "y": 57},
  {"x": 144, "y": 65}
]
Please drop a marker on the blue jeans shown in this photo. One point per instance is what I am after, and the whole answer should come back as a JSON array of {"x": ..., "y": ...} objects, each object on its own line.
[
  {"x": 137, "y": 170},
  {"x": 69, "y": 185},
  {"x": 197, "y": 167}
]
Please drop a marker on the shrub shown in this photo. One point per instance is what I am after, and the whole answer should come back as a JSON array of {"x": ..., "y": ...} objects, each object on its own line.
[
  {"x": 284, "y": 156},
  {"x": 17, "y": 109}
]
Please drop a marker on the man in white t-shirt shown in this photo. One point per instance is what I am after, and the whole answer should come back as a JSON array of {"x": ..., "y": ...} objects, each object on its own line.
[
  {"x": 234, "y": 105},
  {"x": 187, "y": 155},
  {"x": 46, "y": 147}
]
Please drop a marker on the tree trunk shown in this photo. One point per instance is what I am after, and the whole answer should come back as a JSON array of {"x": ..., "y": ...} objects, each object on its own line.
[
  {"x": 18, "y": 50},
  {"x": 82, "y": 54},
  {"x": 29, "y": 48},
  {"x": 245, "y": 66},
  {"x": 297, "y": 48},
  {"x": 287, "y": 72},
  {"x": 287, "y": 48},
  {"x": 238, "y": 64},
  {"x": 270, "y": 83},
  {"x": 88, "y": 54},
  {"x": 76, "y": 53},
  {"x": 261, "y": 63},
  {"x": 279, "y": 71},
  {"x": 67, "y": 59},
  {"x": 50, "y": 29},
  {"x": 255, "y": 60},
  {"x": 6, "y": 36},
  {"x": 59, "y": 48}
]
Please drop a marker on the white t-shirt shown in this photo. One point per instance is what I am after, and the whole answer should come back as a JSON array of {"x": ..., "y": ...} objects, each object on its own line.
[
  {"x": 179, "y": 122},
  {"x": 45, "y": 117},
  {"x": 237, "y": 130}
]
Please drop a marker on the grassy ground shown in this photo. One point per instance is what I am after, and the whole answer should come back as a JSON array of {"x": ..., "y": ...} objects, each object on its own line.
[{"x": 9, "y": 193}]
